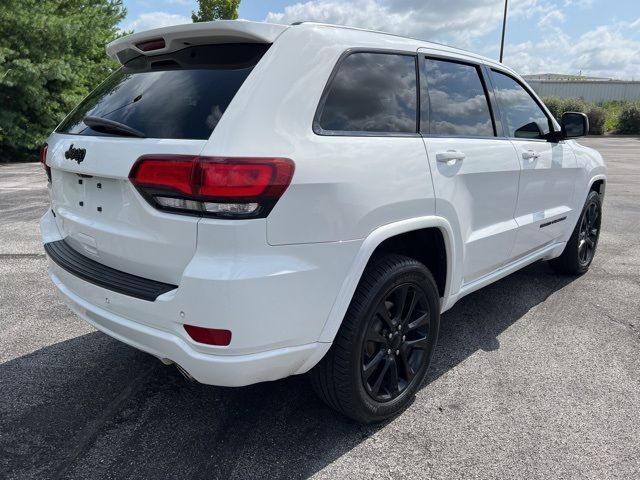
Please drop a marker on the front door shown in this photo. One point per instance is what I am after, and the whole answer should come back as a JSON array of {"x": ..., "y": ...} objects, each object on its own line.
[
  {"x": 475, "y": 173},
  {"x": 548, "y": 171}
]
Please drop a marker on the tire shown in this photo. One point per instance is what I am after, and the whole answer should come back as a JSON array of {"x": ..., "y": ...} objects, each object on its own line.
[
  {"x": 401, "y": 340},
  {"x": 581, "y": 247}
]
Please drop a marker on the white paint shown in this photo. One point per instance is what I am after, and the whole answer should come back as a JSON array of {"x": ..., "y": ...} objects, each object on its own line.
[{"x": 282, "y": 285}]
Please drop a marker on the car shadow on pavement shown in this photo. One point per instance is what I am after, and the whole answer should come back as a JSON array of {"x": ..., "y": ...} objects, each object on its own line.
[{"x": 92, "y": 407}]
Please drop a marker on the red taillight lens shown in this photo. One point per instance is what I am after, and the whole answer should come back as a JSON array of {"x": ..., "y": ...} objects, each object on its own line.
[
  {"x": 164, "y": 172},
  {"x": 43, "y": 154},
  {"x": 155, "y": 44},
  {"x": 213, "y": 186},
  {"x": 43, "y": 160},
  {"x": 234, "y": 180},
  {"x": 210, "y": 336}
]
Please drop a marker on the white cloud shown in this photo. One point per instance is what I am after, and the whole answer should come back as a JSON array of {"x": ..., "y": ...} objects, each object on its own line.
[
  {"x": 606, "y": 51},
  {"x": 147, "y": 21},
  {"x": 551, "y": 17},
  {"x": 611, "y": 51},
  {"x": 436, "y": 19},
  {"x": 579, "y": 3},
  {"x": 635, "y": 24}
]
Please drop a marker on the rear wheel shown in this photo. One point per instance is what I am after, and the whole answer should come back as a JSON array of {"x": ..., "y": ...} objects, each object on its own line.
[
  {"x": 581, "y": 247},
  {"x": 381, "y": 353}
]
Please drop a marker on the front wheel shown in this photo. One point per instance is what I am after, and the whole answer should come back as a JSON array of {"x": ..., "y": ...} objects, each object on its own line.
[
  {"x": 581, "y": 247},
  {"x": 381, "y": 353}
]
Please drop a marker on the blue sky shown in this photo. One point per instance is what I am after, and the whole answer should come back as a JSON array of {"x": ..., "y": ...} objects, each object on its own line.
[{"x": 594, "y": 37}]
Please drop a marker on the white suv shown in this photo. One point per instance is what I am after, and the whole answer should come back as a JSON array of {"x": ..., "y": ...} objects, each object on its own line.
[{"x": 251, "y": 201}]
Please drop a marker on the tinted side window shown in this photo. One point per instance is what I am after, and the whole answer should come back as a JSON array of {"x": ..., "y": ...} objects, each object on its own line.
[
  {"x": 455, "y": 102},
  {"x": 524, "y": 117},
  {"x": 372, "y": 92}
]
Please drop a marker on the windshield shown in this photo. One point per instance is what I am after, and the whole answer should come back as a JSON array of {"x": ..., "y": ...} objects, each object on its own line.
[{"x": 179, "y": 95}]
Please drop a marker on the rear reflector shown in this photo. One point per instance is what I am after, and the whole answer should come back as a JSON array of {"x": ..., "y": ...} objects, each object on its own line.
[
  {"x": 155, "y": 44},
  {"x": 209, "y": 336},
  {"x": 212, "y": 186}
]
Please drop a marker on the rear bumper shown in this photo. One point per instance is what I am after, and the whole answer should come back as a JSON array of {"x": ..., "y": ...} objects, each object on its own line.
[
  {"x": 223, "y": 370},
  {"x": 275, "y": 301}
]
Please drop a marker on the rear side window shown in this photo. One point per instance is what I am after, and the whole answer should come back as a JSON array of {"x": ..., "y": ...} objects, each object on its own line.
[
  {"x": 454, "y": 101},
  {"x": 181, "y": 95},
  {"x": 372, "y": 92},
  {"x": 522, "y": 114}
]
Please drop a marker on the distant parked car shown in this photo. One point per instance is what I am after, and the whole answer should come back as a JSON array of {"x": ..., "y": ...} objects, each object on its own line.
[{"x": 251, "y": 201}]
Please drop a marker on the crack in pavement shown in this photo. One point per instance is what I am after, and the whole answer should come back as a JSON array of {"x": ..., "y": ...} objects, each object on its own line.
[{"x": 88, "y": 435}]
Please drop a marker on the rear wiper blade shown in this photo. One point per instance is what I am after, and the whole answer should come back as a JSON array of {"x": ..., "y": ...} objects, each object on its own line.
[{"x": 99, "y": 123}]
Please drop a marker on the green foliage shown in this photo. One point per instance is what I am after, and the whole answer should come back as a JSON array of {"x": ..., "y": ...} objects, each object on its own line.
[
  {"x": 554, "y": 104},
  {"x": 558, "y": 106},
  {"x": 51, "y": 55},
  {"x": 574, "y": 105},
  {"x": 597, "y": 117},
  {"x": 209, "y": 10},
  {"x": 610, "y": 116},
  {"x": 629, "y": 119},
  {"x": 612, "y": 110}
]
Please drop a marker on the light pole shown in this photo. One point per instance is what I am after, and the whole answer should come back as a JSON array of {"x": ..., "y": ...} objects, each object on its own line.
[{"x": 504, "y": 28}]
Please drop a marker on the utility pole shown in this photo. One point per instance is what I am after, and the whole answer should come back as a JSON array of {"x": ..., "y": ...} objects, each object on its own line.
[{"x": 504, "y": 28}]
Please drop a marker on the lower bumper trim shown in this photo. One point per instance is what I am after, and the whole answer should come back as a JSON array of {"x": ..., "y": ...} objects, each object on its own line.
[{"x": 106, "y": 277}]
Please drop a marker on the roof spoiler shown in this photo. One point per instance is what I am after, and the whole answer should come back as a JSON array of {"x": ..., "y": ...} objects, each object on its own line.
[{"x": 177, "y": 37}]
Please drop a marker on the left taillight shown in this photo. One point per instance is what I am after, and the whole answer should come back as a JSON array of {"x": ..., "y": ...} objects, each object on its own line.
[
  {"x": 221, "y": 187},
  {"x": 43, "y": 160}
]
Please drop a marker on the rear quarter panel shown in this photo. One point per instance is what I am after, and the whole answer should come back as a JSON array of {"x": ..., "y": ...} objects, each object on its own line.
[{"x": 343, "y": 187}]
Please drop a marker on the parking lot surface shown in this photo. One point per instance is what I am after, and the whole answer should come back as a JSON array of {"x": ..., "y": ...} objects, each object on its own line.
[{"x": 535, "y": 376}]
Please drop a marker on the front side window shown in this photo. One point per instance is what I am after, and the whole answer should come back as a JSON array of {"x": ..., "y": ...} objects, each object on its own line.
[
  {"x": 454, "y": 101},
  {"x": 523, "y": 116},
  {"x": 372, "y": 92}
]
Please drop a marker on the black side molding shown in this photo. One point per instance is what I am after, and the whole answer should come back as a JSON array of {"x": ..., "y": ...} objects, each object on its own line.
[
  {"x": 542, "y": 225},
  {"x": 103, "y": 276}
]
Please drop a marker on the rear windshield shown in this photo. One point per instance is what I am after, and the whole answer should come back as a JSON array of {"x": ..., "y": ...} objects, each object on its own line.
[{"x": 178, "y": 95}]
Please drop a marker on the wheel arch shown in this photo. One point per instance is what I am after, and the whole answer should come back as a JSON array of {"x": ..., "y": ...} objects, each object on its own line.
[
  {"x": 598, "y": 184},
  {"x": 370, "y": 246}
]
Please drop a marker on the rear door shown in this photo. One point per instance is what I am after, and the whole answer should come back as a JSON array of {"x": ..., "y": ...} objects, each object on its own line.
[
  {"x": 475, "y": 173},
  {"x": 172, "y": 102},
  {"x": 548, "y": 168}
]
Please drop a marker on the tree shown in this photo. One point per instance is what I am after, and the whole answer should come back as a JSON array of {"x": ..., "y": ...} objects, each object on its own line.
[
  {"x": 209, "y": 10},
  {"x": 51, "y": 56}
]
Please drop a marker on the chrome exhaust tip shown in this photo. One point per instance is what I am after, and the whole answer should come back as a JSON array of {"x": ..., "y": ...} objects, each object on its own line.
[{"x": 184, "y": 373}]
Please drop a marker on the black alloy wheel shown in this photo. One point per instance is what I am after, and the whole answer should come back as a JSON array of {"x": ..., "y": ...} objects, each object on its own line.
[
  {"x": 381, "y": 353},
  {"x": 589, "y": 232},
  {"x": 581, "y": 246},
  {"x": 396, "y": 342}
]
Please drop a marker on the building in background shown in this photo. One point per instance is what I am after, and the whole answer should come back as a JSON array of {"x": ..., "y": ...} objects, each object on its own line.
[{"x": 591, "y": 89}]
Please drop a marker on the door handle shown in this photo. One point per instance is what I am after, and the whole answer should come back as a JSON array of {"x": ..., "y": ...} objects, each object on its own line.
[
  {"x": 530, "y": 155},
  {"x": 450, "y": 156}
]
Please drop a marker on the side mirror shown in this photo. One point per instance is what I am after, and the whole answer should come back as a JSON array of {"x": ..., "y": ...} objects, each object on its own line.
[{"x": 574, "y": 124}]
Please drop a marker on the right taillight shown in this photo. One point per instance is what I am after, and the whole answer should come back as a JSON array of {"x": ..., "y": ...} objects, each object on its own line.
[
  {"x": 43, "y": 160},
  {"x": 223, "y": 187}
]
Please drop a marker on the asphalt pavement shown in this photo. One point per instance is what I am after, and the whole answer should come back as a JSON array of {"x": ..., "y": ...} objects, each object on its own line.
[{"x": 535, "y": 376}]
